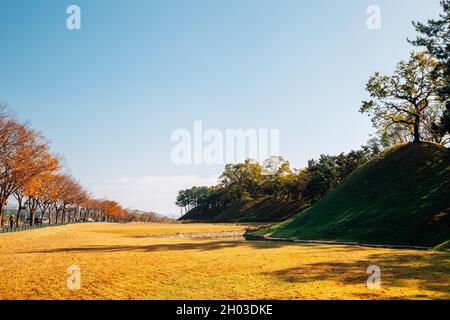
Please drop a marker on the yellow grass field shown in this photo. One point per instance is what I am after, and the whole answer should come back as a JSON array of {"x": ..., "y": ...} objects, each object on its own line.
[{"x": 127, "y": 262}]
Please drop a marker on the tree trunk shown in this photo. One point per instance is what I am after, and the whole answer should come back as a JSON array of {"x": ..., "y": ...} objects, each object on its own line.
[
  {"x": 32, "y": 217},
  {"x": 19, "y": 210},
  {"x": 416, "y": 129},
  {"x": 1, "y": 214},
  {"x": 18, "y": 216}
]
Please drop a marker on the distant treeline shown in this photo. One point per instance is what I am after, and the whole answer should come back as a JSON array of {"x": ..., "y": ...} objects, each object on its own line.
[
  {"x": 147, "y": 217},
  {"x": 275, "y": 178}
]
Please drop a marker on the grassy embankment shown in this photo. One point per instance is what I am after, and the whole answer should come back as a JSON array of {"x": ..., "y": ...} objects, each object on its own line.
[{"x": 403, "y": 197}]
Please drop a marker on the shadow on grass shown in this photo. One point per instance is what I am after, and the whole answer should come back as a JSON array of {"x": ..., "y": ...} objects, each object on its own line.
[
  {"x": 428, "y": 271},
  {"x": 199, "y": 246}
]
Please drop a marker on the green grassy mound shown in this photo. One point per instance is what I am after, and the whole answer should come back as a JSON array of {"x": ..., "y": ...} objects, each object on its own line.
[
  {"x": 261, "y": 210},
  {"x": 402, "y": 197}
]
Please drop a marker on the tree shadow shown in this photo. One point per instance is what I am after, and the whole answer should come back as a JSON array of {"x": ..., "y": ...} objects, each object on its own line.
[
  {"x": 430, "y": 271},
  {"x": 195, "y": 246}
]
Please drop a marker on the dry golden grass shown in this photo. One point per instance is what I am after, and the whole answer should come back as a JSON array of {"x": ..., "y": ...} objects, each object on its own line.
[{"x": 120, "y": 262}]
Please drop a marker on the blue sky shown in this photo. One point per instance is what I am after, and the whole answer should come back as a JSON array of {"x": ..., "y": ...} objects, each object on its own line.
[{"x": 110, "y": 95}]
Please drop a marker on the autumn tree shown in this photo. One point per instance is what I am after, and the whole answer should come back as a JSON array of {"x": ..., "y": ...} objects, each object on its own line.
[
  {"x": 92, "y": 207},
  {"x": 74, "y": 198},
  {"x": 79, "y": 202},
  {"x": 24, "y": 154},
  {"x": 64, "y": 187},
  {"x": 19, "y": 195},
  {"x": 113, "y": 210},
  {"x": 408, "y": 100},
  {"x": 33, "y": 192},
  {"x": 41, "y": 192}
]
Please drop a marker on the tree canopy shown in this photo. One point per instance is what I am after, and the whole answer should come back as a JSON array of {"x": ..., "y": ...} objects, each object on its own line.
[
  {"x": 406, "y": 105},
  {"x": 435, "y": 37}
]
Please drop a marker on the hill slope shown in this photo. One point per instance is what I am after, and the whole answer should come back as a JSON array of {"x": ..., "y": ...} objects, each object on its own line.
[
  {"x": 262, "y": 210},
  {"x": 402, "y": 197}
]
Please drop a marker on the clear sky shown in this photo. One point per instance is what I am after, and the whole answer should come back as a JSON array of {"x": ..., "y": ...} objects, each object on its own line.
[{"x": 110, "y": 95}]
